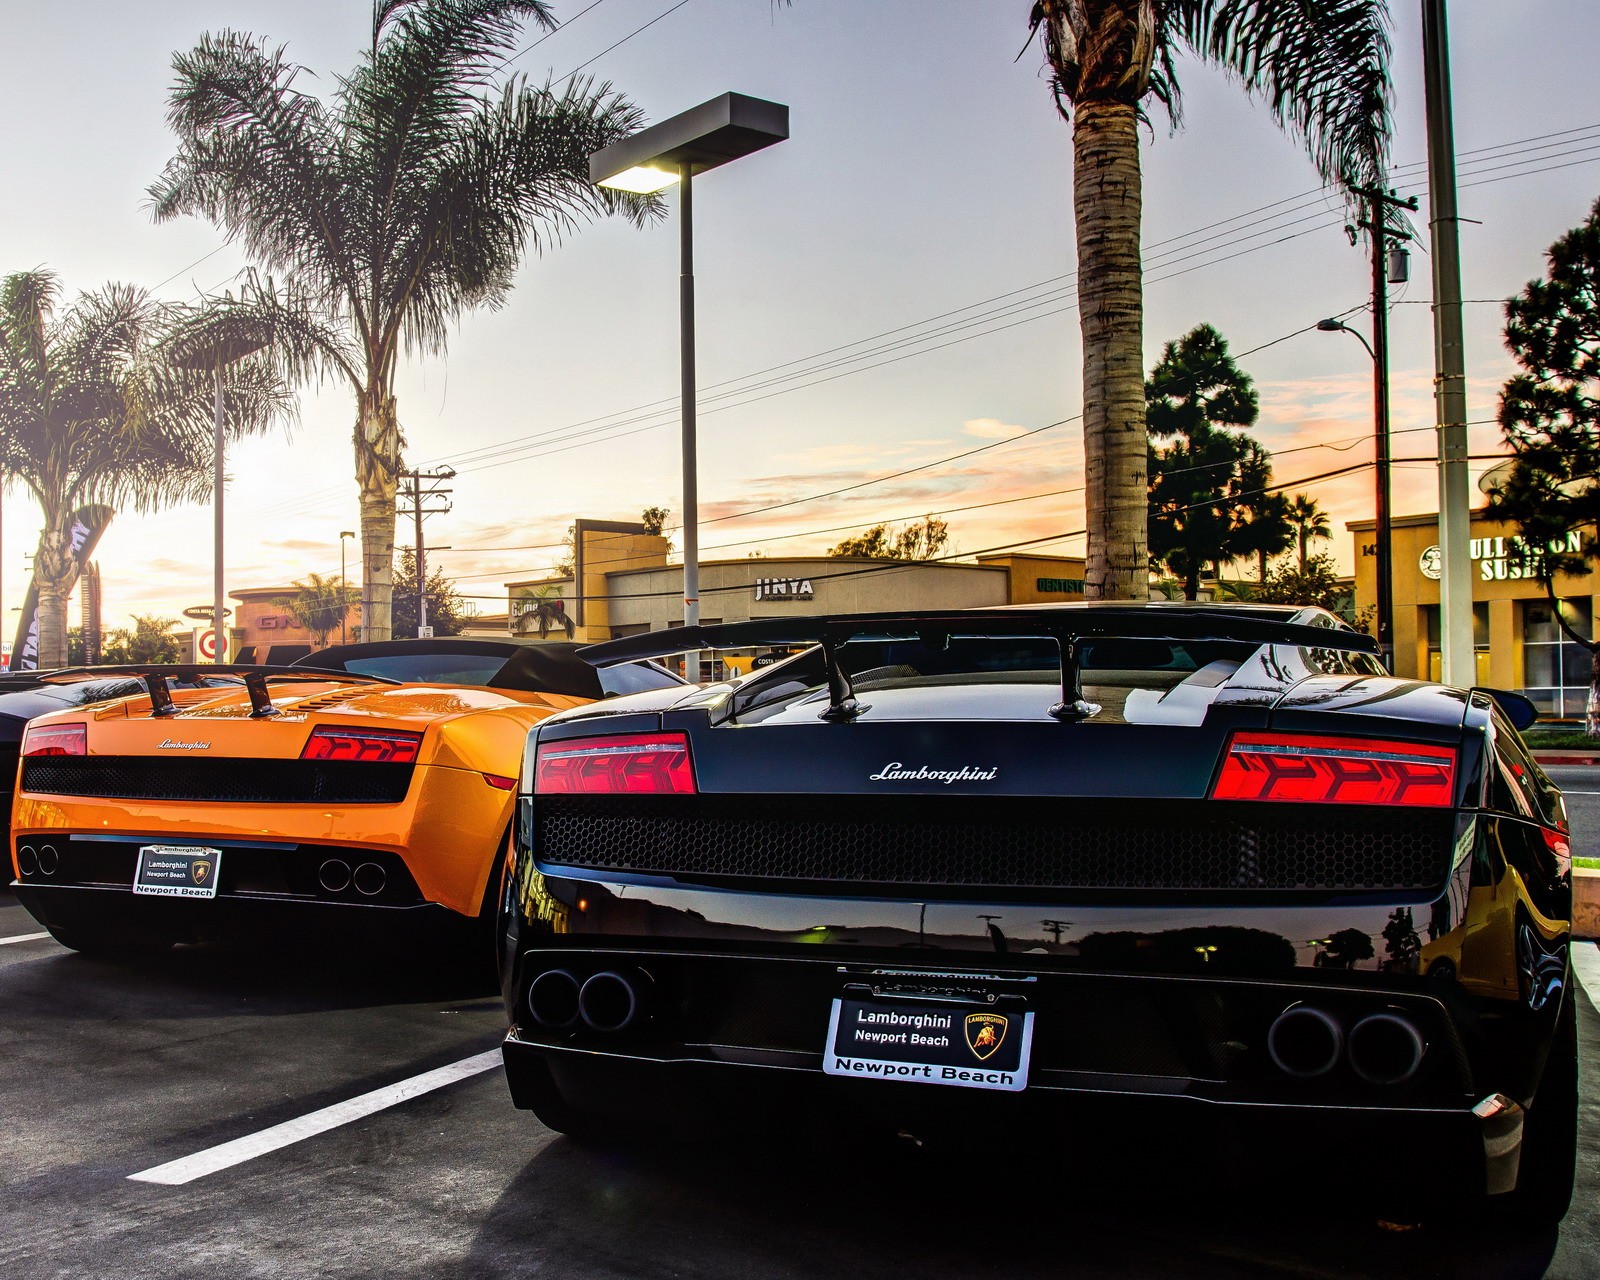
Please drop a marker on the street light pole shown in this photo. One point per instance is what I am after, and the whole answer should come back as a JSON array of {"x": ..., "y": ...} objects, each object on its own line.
[
  {"x": 1456, "y": 642},
  {"x": 344, "y": 584},
  {"x": 218, "y": 620},
  {"x": 704, "y": 137},
  {"x": 686, "y": 376}
]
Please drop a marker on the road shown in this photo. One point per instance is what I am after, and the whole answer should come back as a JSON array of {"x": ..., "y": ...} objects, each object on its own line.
[{"x": 111, "y": 1071}]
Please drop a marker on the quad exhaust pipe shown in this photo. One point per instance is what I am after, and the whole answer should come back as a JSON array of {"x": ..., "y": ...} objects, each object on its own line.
[
  {"x": 43, "y": 860},
  {"x": 610, "y": 1001},
  {"x": 1382, "y": 1048},
  {"x": 1386, "y": 1048}
]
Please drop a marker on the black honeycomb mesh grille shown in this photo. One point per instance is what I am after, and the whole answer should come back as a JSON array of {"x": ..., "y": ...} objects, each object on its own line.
[
  {"x": 1013, "y": 843},
  {"x": 239, "y": 781}
]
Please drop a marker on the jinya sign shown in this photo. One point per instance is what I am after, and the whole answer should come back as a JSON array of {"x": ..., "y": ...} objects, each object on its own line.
[
  {"x": 784, "y": 589},
  {"x": 1500, "y": 559}
]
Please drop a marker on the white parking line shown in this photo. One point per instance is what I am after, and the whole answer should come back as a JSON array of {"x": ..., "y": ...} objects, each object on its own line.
[
  {"x": 177, "y": 1172},
  {"x": 1586, "y": 964},
  {"x": 23, "y": 937}
]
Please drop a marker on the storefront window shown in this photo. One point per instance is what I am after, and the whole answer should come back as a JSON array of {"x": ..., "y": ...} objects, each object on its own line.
[
  {"x": 1480, "y": 642},
  {"x": 1555, "y": 670}
]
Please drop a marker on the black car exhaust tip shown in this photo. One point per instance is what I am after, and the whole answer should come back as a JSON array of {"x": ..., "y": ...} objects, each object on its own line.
[
  {"x": 1305, "y": 1042},
  {"x": 334, "y": 875},
  {"x": 49, "y": 860},
  {"x": 27, "y": 860},
  {"x": 553, "y": 999},
  {"x": 1386, "y": 1048},
  {"x": 612, "y": 1001},
  {"x": 370, "y": 878}
]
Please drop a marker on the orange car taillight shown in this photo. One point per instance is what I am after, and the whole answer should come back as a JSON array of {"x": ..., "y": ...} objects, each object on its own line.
[
  {"x": 374, "y": 746},
  {"x": 631, "y": 764},
  {"x": 1307, "y": 768},
  {"x": 56, "y": 740}
]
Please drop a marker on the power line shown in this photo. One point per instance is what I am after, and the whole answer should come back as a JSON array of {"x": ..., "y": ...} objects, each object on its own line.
[{"x": 564, "y": 440}]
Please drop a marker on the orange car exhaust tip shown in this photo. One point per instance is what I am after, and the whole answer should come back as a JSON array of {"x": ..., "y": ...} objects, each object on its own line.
[
  {"x": 370, "y": 878},
  {"x": 334, "y": 875}
]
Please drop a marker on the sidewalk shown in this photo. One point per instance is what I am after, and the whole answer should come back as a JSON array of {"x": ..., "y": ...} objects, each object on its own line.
[{"x": 1567, "y": 755}]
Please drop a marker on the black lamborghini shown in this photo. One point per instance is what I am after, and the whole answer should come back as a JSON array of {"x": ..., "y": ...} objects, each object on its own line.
[{"x": 1193, "y": 862}]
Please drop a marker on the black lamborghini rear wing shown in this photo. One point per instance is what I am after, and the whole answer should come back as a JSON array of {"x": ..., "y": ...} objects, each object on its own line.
[
  {"x": 157, "y": 674},
  {"x": 1069, "y": 627}
]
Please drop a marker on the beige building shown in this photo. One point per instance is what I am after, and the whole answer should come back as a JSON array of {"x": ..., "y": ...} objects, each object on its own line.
[
  {"x": 1519, "y": 642},
  {"x": 629, "y": 587}
]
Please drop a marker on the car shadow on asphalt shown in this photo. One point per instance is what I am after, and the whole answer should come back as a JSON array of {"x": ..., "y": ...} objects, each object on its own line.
[
  {"x": 805, "y": 1211},
  {"x": 272, "y": 978}
]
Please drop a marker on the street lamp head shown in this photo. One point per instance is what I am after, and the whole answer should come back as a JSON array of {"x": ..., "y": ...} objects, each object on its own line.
[
  {"x": 1330, "y": 325},
  {"x": 642, "y": 180},
  {"x": 346, "y": 533},
  {"x": 702, "y": 137}
]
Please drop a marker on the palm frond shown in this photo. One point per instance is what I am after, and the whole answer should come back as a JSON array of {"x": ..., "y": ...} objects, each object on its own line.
[
  {"x": 262, "y": 161},
  {"x": 514, "y": 181},
  {"x": 1321, "y": 66}
]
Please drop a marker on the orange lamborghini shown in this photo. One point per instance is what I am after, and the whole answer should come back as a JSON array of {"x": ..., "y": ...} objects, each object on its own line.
[{"x": 370, "y": 783}]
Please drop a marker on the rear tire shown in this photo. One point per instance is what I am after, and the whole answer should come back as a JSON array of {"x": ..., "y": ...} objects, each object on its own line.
[{"x": 1550, "y": 1135}]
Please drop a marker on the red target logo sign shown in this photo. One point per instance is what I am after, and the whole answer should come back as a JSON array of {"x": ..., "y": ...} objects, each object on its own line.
[{"x": 208, "y": 644}]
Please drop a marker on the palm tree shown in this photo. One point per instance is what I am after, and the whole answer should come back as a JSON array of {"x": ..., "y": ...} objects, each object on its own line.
[
  {"x": 404, "y": 200},
  {"x": 1321, "y": 66},
  {"x": 1309, "y": 521},
  {"x": 1260, "y": 517},
  {"x": 318, "y": 604},
  {"x": 92, "y": 414}
]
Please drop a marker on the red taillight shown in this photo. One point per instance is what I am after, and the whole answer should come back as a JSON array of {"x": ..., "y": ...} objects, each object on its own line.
[
  {"x": 1311, "y": 769},
  {"x": 500, "y": 782},
  {"x": 372, "y": 746},
  {"x": 56, "y": 740},
  {"x": 632, "y": 764}
]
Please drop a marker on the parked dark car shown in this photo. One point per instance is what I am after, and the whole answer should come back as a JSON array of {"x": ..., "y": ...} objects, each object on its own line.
[{"x": 1205, "y": 863}]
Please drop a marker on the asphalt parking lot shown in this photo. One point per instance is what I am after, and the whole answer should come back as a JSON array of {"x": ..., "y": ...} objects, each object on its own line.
[{"x": 213, "y": 1072}]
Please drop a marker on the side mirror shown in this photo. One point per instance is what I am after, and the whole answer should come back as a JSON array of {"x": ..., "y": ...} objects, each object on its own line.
[{"x": 1519, "y": 710}]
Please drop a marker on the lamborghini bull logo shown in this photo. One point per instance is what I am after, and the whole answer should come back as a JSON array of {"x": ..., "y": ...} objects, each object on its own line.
[
  {"x": 200, "y": 869},
  {"x": 985, "y": 1032}
]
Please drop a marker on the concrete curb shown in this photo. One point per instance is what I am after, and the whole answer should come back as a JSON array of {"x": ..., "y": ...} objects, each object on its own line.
[
  {"x": 1585, "y": 903},
  {"x": 1565, "y": 757}
]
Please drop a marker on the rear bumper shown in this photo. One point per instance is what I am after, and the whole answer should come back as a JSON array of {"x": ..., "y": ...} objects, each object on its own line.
[
  {"x": 89, "y": 911},
  {"x": 1422, "y": 1152}
]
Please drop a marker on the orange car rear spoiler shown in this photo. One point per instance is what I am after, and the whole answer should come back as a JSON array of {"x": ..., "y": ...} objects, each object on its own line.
[{"x": 157, "y": 675}]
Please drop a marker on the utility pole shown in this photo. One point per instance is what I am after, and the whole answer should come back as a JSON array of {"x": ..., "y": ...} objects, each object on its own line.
[
  {"x": 1376, "y": 223},
  {"x": 1456, "y": 642},
  {"x": 418, "y": 497}
]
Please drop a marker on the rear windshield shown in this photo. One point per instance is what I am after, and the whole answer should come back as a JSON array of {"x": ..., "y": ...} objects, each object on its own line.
[
  {"x": 636, "y": 677},
  {"x": 429, "y": 668},
  {"x": 1028, "y": 659}
]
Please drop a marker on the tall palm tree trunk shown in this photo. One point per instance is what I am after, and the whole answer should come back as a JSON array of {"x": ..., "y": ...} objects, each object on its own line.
[
  {"x": 1107, "y": 196},
  {"x": 56, "y": 573},
  {"x": 377, "y": 444}
]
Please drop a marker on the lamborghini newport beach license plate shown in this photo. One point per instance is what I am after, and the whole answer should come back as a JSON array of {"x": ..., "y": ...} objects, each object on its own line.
[
  {"x": 177, "y": 871},
  {"x": 929, "y": 1044}
]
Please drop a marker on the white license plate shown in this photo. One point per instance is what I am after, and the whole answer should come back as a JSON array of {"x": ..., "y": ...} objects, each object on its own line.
[
  {"x": 177, "y": 871},
  {"x": 929, "y": 1044}
]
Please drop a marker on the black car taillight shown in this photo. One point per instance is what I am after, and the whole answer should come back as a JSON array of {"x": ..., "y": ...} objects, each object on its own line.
[
  {"x": 623, "y": 764},
  {"x": 1320, "y": 769},
  {"x": 56, "y": 740},
  {"x": 376, "y": 746}
]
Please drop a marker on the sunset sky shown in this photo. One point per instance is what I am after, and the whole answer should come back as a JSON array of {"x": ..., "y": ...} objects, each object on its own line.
[{"x": 888, "y": 289}]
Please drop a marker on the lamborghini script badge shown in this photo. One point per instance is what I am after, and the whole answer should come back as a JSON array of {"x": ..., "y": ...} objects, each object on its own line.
[
  {"x": 985, "y": 1032},
  {"x": 199, "y": 870}
]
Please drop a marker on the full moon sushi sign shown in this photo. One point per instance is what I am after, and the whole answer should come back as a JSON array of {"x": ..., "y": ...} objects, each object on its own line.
[{"x": 1501, "y": 559}]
